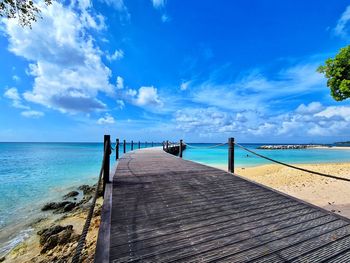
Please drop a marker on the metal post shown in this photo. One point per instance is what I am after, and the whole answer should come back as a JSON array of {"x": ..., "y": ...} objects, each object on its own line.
[
  {"x": 231, "y": 155},
  {"x": 139, "y": 145},
  {"x": 167, "y": 146},
  {"x": 180, "y": 149},
  {"x": 106, "y": 152},
  {"x": 117, "y": 149},
  {"x": 132, "y": 145},
  {"x": 124, "y": 146}
]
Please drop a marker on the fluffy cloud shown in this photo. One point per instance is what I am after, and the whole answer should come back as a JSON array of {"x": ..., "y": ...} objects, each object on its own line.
[
  {"x": 67, "y": 68},
  {"x": 147, "y": 96},
  {"x": 120, "y": 82},
  {"x": 342, "y": 27},
  {"x": 32, "y": 114},
  {"x": 107, "y": 119},
  {"x": 306, "y": 121},
  {"x": 118, "y": 54},
  {"x": 13, "y": 95}
]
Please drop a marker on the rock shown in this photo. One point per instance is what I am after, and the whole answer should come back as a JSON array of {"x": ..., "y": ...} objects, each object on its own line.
[
  {"x": 71, "y": 194},
  {"x": 288, "y": 147},
  {"x": 85, "y": 200},
  {"x": 51, "y": 242},
  {"x": 2, "y": 259},
  {"x": 54, "y": 205},
  {"x": 47, "y": 232},
  {"x": 64, "y": 236},
  {"x": 69, "y": 207},
  {"x": 57, "y": 235},
  {"x": 87, "y": 190}
]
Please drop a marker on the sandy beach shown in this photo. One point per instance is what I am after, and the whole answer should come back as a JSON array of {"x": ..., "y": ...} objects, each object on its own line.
[{"x": 331, "y": 194}]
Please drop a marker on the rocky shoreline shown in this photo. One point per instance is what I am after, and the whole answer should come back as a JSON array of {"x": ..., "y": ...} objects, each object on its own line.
[
  {"x": 56, "y": 239},
  {"x": 289, "y": 146}
]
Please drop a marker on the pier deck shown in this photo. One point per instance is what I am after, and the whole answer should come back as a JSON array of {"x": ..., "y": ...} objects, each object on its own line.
[{"x": 166, "y": 209}]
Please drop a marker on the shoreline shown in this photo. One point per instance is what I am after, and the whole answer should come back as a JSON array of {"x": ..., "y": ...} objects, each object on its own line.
[
  {"x": 54, "y": 237},
  {"x": 328, "y": 193}
]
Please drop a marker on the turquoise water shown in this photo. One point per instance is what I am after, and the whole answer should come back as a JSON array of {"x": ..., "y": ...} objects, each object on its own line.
[
  {"x": 32, "y": 174},
  {"x": 219, "y": 155}
]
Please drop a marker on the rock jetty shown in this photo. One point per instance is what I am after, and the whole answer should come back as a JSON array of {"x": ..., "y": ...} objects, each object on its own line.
[{"x": 288, "y": 146}]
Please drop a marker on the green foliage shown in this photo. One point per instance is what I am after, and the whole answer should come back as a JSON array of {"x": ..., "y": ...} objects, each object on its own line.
[
  {"x": 337, "y": 70},
  {"x": 26, "y": 11}
]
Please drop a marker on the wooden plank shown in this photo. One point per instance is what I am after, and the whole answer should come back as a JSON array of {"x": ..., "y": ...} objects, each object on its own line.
[{"x": 166, "y": 209}]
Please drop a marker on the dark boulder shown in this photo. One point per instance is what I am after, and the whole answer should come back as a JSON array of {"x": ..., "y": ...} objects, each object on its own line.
[
  {"x": 53, "y": 236},
  {"x": 70, "y": 194},
  {"x": 69, "y": 207},
  {"x": 54, "y": 205}
]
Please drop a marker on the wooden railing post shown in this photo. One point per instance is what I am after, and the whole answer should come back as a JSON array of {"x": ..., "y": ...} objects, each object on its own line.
[
  {"x": 180, "y": 149},
  {"x": 231, "y": 155},
  {"x": 117, "y": 149},
  {"x": 124, "y": 146},
  {"x": 132, "y": 145},
  {"x": 106, "y": 153},
  {"x": 167, "y": 146},
  {"x": 139, "y": 145}
]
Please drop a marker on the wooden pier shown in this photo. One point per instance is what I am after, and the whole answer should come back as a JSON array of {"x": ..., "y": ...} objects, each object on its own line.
[{"x": 161, "y": 208}]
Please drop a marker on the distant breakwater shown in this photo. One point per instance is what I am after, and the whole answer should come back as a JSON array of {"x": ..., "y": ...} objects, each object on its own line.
[{"x": 289, "y": 146}]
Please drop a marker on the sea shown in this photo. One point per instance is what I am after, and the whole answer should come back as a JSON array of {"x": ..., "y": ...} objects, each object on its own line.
[{"x": 32, "y": 174}]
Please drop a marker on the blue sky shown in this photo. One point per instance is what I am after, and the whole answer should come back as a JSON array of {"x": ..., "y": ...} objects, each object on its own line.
[{"x": 155, "y": 70}]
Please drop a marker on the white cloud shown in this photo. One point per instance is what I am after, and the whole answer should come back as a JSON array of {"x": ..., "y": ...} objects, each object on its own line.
[
  {"x": 14, "y": 96},
  {"x": 313, "y": 107},
  {"x": 147, "y": 96},
  {"x": 16, "y": 78},
  {"x": 158, "y": 3},
  {"x": 32, "y": 114},
  {"x": 120, "y": 104},
  {"x": 66, "y": 65},
  {"x": 118, "y": 54},
  {"x": 256, "y": 91},
  {"x": 107, "y": 119},
  {"x": 131, "y": 93},
  {"x": 304, "y": 123},
  {"x": 120, "y": 6},
  {"x": 184, "y": 85},
  {"x": 120, "y": 82},
  {"x": 342, "y": 27}
]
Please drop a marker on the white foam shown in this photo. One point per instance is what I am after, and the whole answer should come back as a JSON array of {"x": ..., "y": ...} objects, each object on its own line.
[{"x": 7, "y": 246}]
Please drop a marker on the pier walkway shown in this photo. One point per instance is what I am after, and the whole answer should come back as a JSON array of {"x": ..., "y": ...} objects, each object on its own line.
[{"x": 162, "y": 208}]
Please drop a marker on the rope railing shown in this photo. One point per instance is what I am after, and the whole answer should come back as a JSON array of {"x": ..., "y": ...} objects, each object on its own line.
[
  {"x": 205, "y": 147},
  {"x": 82, "y": 240},
  {"x": 292, "y": 166}
]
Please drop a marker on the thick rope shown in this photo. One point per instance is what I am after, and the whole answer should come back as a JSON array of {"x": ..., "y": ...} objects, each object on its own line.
[
  {"x": 292, "y": 166},
  {"x": 204, "y": 147},
  {"x": 82, "y": 239}
]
